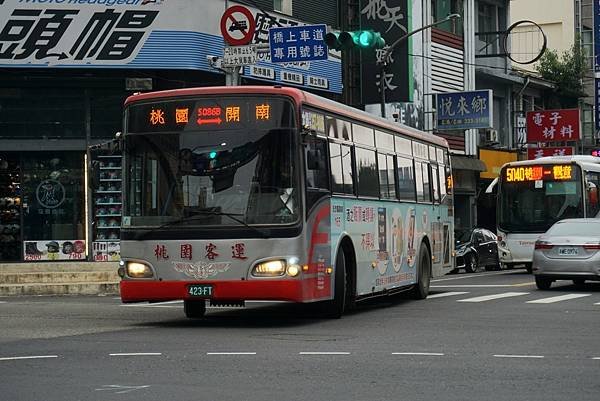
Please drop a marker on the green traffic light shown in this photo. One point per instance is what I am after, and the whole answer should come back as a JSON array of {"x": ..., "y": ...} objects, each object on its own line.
[
  {"x": 212, "y": 155},
  {"x": 365, "y": 38}
]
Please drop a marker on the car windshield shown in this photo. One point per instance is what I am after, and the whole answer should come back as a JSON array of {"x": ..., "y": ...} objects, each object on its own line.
[
  {"x": 246, "y": 171},
  {"x": 534, "y": 206},
  {"x": 578, "y": 229}
]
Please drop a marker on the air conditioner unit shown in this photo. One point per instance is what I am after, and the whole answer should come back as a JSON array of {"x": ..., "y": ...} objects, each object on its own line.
[{"x": 491, "y": 135}]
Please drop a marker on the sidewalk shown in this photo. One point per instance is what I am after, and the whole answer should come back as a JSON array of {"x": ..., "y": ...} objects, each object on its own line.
[{"x": 59, "y": 278}]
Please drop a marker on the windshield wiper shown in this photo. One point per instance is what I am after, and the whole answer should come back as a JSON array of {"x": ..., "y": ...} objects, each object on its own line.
[{"x": 199, "y": 214}]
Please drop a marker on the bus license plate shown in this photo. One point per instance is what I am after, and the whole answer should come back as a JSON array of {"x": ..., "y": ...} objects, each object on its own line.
[
  {"x": 567, "y": 251},
  {"x": 200, "y": 290}
]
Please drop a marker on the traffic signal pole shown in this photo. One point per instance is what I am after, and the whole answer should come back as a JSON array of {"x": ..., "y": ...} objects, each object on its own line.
[{"x": 384, "y": 60}]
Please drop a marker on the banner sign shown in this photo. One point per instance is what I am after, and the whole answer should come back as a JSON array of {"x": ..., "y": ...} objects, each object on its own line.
[
  {"x": 54, "y": 250},
  {"x": 536, "y": 153},
  {"x": 141, "y": 34},
  {"x": 390, "y": 18},
  {"x": 464, "y": 110},
  {"x": 553, "y": 125}
]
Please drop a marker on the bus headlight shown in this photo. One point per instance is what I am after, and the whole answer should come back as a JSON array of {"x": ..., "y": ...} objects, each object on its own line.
[
  {"x": 138, "y": 270},
  {"x": 270, "y": 268},
  {"x": 293, "y": 270}
]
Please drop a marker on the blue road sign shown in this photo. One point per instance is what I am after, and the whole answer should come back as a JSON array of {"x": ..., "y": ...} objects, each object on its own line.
[
  {"x": 298, "y": 43},
  {"x": 464, "y": 110}
]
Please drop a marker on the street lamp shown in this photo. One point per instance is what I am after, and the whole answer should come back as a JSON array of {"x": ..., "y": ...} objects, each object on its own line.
[{"x": 389, "y": 50}]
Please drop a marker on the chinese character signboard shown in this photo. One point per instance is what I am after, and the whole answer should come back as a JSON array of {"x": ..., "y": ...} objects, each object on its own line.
[
  {"x": 464, "y": 110},
  {"x": 235, "y": 56},
  {"x": 390, "y": 18},
  {"x": 553, "y": 125},
  {"x": 298, "y": 43},
  {"x": 141, "y": 34},
  {"x": 536, "y": 153}
]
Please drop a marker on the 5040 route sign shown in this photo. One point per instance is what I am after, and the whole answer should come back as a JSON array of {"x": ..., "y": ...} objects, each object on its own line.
[{"x": 298, "y": 43}]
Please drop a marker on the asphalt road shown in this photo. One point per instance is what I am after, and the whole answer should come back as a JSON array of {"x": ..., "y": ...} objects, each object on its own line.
[{"x": 485, "y": 336}]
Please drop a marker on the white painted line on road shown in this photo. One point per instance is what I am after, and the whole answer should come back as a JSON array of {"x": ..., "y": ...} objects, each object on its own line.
[
  {"x": 446, "y": 294},
  {"x": 2, "y": 302},
  {"x": 519, "y": 356},
  {"x": 472, "y": 276},
  {"x": 231, "y": 353},
  {"x": 558, "y": 298},
  {"x": 419, "y": 353},
  {"x": 472, "y": 286},
  {"x": 323, "y": 353},
  {"x": 15, "y": 358},
  {"x": 492, "y": 297},
  {"x": 137, "y": 354},
  {"x": 596, "y": 357},
  {"x": 597, "y": 303}
]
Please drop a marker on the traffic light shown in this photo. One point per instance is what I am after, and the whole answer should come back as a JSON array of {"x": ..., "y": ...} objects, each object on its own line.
[{"x": 366, "y": 39}]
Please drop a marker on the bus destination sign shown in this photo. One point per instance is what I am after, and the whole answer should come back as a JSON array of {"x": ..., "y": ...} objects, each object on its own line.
[
  {"x": 536, "y": 173},
  {"x": 203, "y": 114}
]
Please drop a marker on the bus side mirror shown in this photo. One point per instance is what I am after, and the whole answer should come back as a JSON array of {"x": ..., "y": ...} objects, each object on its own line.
[{"x": 314, "y": 160}]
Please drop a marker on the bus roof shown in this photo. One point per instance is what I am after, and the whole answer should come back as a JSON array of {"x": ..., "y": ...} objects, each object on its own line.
[
  {"x": 300, "y": 97},
  {"x": 581, "y": 159}
]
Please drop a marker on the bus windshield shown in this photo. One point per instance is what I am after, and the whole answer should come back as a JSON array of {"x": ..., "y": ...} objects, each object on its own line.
[
  {"x": 530, "y": 205},
  {"x": 206, "y": 172}
]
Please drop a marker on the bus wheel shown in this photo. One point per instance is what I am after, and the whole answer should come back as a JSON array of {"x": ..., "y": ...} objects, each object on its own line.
[
  {"x": 335, "y": 308},
  {"x": 194, "y": 309},
  {"x": 421, "y": 289}
]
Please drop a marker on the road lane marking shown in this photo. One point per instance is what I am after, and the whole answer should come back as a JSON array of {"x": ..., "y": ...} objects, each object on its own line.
[
  {"x": 446, "y": 294},
  {"x": 559, "y": 298},
  {"x": 596, "y": 357},
  {"x": 524, "y": 284},
  {"x": 323, "y": 353},
  {"x": 492, "y": 297},
  {"x": 419, "y": 353},
  {"x": 519, "y": 356},
  {"x": 15, "y": 358},
  {"x": 2, "y": 302},
  {"x": 597, "y": 303},
  {"x": 136, "y": 354},
  {"x": 472, "y": 286},
  {"x": 472, "y": 276},
  {"x": 231, "y": 353},
  {"x": 119, "y": 389}
]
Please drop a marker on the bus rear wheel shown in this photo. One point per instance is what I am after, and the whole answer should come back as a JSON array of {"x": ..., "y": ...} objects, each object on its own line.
[
  {"x": 421, "y": 288},
  {"x": 194, "y": 309}
]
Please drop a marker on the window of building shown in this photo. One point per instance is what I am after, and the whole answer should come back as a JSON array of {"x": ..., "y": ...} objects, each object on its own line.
[
  {"x": 406, "y": 179},
  {"x": 440, "y": 9},
  {"x": 487, "y": 22},
  {"x": 366, "y": 169},
  {"x": 283, "y": 6}
]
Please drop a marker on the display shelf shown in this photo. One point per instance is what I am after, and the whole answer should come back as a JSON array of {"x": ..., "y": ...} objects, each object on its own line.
[
  {"x": 110, "y": 179},
  {"x": 110, "y": 168},
  {"x": 107, "y": 203},
  {"x": 107, "y": 156},
  {"x": 108, "y": 227},
  {"x": 108, "y": 198},
  {"x": 108, "y": 215},
  {"x": 108, "y": 192}
]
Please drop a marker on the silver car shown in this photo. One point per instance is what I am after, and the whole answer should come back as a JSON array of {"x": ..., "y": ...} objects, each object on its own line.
[{"x": 569, "y": 250}]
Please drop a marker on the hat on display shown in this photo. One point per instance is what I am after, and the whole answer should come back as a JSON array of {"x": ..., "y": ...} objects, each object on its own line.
[
  {"x": 52, "y": 247},
  {"x": 67, "y": 248}
]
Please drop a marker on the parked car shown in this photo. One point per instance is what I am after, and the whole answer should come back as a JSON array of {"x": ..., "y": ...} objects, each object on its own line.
[
  {"x": 476, "y": 248},
  {"x": 569, "y": 250}
]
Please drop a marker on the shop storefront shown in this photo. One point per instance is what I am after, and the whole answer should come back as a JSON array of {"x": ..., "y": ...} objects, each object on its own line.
[{"x": 65, "y": 71}]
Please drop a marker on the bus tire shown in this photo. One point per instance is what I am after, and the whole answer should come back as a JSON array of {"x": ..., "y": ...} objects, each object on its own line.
[
  {"x": 334, "y": 309},
  {"x": 421, "y": 288},
  {"x": 194, "y": 309}
]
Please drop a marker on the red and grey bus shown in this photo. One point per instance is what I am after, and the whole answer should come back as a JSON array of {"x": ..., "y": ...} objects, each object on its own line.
[{"x": 248, "y": 193}]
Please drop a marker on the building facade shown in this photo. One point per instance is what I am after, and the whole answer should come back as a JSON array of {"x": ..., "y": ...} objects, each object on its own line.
[{"x": 65, "y": 71}]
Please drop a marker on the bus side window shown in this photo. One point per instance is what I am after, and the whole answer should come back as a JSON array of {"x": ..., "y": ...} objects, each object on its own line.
[
  {"x": 592, "y": 187},
  {"x": 435, "y": 181},
  {"x": 317, "y": 170}
]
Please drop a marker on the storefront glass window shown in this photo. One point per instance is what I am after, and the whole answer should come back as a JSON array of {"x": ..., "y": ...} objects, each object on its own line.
[{"x": 53, "y": 205}]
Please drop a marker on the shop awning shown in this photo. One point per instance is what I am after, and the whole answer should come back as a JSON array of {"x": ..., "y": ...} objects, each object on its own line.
[{"x": 467, "y": 163}]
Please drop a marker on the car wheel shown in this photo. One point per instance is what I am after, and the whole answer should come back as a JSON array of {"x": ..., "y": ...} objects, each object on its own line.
[
  {"x": 471, "y": 265},
  {"x": 529, "y": 268},
  {"x": 421, "y": 289},
  {"x": 543, "y": 283},
  {"x": 194, "y": 309},
  {"x": 579, "y": 282}
]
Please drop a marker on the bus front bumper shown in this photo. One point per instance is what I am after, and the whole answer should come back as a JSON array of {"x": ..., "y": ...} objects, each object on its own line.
[{"x": 269, "y": 290}]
